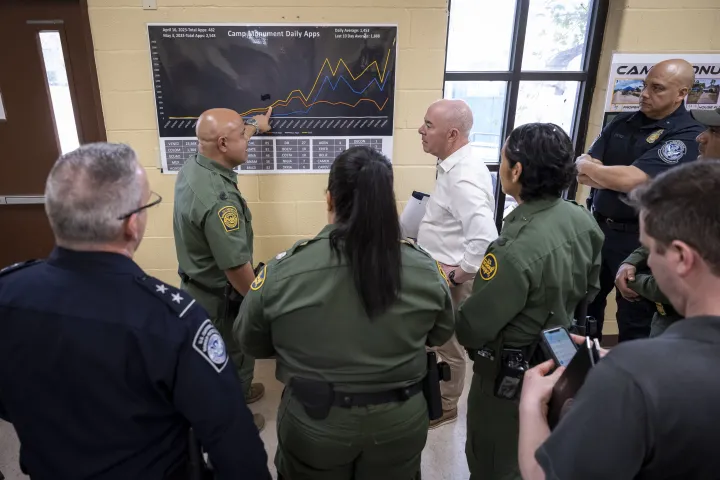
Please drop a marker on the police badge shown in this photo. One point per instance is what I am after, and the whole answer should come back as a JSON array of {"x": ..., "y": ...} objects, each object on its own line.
[{"x": 654, "y": 136}]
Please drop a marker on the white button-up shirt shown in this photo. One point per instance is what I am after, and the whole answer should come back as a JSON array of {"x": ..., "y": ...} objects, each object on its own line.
[{"x": 459, "y": 223}]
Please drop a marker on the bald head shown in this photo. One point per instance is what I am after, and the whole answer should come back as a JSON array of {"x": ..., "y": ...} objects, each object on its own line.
[
  {"x": 454, "y": 114},
  {"x": 666, "y": 87},
  {"x": 221, "y": 136},
  {"x": 446, "y": 127}
]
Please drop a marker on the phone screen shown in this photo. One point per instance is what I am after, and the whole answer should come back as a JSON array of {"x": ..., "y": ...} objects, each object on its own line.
[{"x": 561, "y": 344}]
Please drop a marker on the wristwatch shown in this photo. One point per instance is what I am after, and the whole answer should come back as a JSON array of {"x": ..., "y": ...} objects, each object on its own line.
[
  {"x": 253, "y": 123},
  {"x": 451, "y": 277}
]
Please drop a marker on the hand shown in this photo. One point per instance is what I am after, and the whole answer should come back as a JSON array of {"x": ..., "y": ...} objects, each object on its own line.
[
  {"x": 585, "y": 163},
  {"x": 263, "y": 121},
  {"x": 625, "y": 274},
  {"x": 461, "y": 276},
  {"x": 537, "y": 387},
  {"x": 584, "y": 179},
  {"x": 579, "y": 339}
]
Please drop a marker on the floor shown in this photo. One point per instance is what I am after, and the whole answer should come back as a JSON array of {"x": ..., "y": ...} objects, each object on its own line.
[{"x": 443, "y": 458}]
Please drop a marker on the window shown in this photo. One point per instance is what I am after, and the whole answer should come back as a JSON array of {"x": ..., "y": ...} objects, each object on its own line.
[{"x": 522, "y": 61}]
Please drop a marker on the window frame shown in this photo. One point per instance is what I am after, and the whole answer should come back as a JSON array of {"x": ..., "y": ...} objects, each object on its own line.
[{"x": 515, "y": 75}]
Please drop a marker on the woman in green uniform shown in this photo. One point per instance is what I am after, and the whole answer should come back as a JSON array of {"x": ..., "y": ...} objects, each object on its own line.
[
  {"x": 348, "y": 315},
  {"x": 546, "y": 260}
]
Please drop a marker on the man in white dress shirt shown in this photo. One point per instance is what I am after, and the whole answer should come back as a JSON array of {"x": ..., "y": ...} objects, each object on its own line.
[{"x": 458, "y": 224}]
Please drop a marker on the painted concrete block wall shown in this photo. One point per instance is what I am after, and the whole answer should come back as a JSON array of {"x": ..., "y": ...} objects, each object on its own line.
[
  {"x": 636, "y": 26},
  {"x": 285, "y": 208}
]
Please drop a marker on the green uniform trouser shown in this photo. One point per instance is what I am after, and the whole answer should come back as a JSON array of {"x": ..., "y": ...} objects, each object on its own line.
[
  {"x": 377, "y": 442},
  {"x": 660, "y": 323},
  {"x": 492, "y": 429},
  {"x": 215, "y": 306}
]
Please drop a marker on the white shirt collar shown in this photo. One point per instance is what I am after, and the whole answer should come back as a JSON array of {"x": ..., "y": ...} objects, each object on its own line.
[{"x": 447, "y": 164}]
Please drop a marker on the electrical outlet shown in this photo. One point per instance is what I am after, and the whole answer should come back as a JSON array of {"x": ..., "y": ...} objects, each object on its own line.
[{"x": 149, "y": 4}]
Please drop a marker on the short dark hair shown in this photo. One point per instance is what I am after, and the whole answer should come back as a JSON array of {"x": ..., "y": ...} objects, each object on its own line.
[
  {"x": 681, "y": 204},
  {"x": 547, "y": 157},
  {"x": 367, "y": 227}
]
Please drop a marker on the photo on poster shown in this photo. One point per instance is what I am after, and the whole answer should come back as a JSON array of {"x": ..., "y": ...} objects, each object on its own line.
[
  {"x": 704, "y": 92},
  {"x": 627, "y": 91}
]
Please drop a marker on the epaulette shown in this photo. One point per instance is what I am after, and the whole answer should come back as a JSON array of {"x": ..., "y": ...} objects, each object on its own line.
[
  {"x": 289, "y": 252},
  {"x": 412, "y": 243},
  {"x": 178, "y": 300},
  {"x": 18, "y": 266}
]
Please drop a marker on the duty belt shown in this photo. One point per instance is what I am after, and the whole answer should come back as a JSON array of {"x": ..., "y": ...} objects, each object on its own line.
[
  {"x": 189, "y": 281},
  {"x": 630, "y": 226},
  {"x": 347, "y": 400}
]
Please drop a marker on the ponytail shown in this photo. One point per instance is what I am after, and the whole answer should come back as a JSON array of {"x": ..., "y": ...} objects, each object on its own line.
[{"x": 367, "y": 229}]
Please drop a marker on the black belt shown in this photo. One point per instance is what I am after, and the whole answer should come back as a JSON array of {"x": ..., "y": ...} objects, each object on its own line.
[
  {"x": 347, "y": 400},
  {"x": 630, "y": 226},
  {"x": 189, "y": 281}
]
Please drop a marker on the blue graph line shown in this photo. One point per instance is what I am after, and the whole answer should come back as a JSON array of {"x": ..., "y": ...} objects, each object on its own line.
[{"x": 334, "y": 87}]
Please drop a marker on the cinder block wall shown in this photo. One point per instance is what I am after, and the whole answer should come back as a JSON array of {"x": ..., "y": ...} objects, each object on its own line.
[
  {"x": 653, "y": 26},
  {"x": 285, "y": 207}
]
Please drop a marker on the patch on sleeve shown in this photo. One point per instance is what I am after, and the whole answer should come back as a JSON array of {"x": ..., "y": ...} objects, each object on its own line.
[
  {"x": 210, "y": 345},
  {"x": 442, "y": 272},
  {"x": 671, "y": 152},
  {"x": 489, "y": 267},
  {"x": 229, "y": 218},
  {"x": 654, "y": 136},
  {"x": 259, "y": 280}
]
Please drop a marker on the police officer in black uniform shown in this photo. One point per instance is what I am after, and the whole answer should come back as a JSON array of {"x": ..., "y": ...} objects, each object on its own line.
[
  {"x": 633, "y": 148},
  {"x": 103, "y": 369}
]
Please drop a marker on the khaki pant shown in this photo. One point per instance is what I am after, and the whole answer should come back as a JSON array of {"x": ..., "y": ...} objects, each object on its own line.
[{"x": 454, "y": 354}]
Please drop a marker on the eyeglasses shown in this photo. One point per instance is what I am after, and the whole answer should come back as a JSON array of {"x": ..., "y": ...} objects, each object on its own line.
[{"x": 140, "y": 209}]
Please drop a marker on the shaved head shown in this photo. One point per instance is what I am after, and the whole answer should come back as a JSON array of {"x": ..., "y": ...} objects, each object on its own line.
[
  {"x": 220, "y": 133},
  {"x": 446, "y": 128},
  {"x": 666, "y": 87}
]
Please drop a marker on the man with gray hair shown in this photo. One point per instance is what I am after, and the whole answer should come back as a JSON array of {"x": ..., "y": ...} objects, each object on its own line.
[
  {"x": 103, "y": 369},
  {"x": 458, "y": 224}
]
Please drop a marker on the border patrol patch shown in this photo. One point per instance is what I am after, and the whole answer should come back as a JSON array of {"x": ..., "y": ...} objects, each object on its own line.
[
  {"x": 442, "y": 272},
  {"x": 489, "y": 267},
  {"x": 229, "y": 218},
  {"x": 210, "y": 345},
  {"x": 654, "y": 136},
  {"x": 259, "y": 280},
  {"x": 672, "y": 151}
]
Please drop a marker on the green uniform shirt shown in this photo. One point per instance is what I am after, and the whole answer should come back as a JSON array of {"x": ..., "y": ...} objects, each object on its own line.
[
  {"x": 211, "y": 222},
  {"x": 304, "y": 307},
  {"x": 546, "y": 260},
  {"x": 646, "y": 286}
]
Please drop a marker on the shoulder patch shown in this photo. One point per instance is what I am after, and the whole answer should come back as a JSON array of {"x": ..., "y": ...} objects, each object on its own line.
[
  {"x": 18, "y": 266},
  {"x": 259, "y": 280},
  {"x": 672, "y": 151},
  {"x": 229, "y": 218},
  {"x": 652, "y": 138},
  {"x": 489, "y": 267},
  {"x": 178, "y": 300},
  {"x": 210, "y": 345},
  {"x": 442, "y": 272}
]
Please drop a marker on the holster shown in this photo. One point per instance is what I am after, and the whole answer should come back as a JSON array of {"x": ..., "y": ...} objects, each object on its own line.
[
  {"x": 315, "y": 396},
  {"x": 233, "y": 300},
  {"x": 436, "y": 372}
]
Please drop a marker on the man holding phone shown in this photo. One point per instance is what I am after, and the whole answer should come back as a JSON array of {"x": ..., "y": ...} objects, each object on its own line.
[{"x": 667, "y": 422}]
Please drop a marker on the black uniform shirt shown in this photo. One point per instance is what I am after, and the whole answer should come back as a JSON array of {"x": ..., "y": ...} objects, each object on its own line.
[
  {"x": 649, "y": 410},
  {"x": 104, "y": 369},
  {"x": 653, "y": 146}
]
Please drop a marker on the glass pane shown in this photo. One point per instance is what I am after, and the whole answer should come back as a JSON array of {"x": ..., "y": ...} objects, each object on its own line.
[
  {"x": 548, "y": 101},
  {"x": 555, "y": 36},
  {"x": 487, "y": 101},
  {"x": 480, "y": 35},
  {"x": 59, "y": 90}
]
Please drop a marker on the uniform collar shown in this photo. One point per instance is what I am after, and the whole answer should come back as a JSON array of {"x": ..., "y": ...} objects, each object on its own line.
[
  {"x": 107, "y": 262},
  {"x": 325, "y": 232},
  {"x": 703, "y": 329},
  {"x": 213, "y": 166},
  {"x": 447, "y": 164},
  {"x": 528, "y": 209},
  {"x": 666, "y": 122}
]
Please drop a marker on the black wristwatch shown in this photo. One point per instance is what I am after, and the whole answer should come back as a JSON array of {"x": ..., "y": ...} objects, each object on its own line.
[{"x": 451, "y": 277}]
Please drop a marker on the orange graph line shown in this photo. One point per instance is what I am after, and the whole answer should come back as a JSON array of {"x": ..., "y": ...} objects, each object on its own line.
[{"x": 304, "y": 98}]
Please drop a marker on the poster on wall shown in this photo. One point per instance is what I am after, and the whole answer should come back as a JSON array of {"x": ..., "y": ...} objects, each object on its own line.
[
  {"x": 628, "y": 71},
  {"x": 331, "y": 87}
]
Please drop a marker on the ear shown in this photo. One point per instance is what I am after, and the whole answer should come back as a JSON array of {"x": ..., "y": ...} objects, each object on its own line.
[
  {"x": 683, "y": 256},
  {"x": 329, "y": 200},
  {"x": 131, "y": 227},
  {"x": 453, "y": 134},
  {"x": 222, "y": 144},
  {"x": 516, "y": 171}
]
